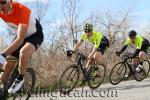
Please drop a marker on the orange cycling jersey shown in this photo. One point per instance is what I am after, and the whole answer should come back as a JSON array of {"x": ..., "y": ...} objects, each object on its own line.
[{"x": 20, "y": 14}]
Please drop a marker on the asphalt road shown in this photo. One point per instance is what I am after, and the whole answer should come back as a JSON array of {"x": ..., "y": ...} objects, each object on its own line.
[{"x": 129, "y": 90}]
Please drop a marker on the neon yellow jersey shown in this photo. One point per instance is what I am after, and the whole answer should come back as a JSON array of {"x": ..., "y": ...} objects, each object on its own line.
[
  {"x": 95, "y": 38},
  {"x": 138, "y": 41}
]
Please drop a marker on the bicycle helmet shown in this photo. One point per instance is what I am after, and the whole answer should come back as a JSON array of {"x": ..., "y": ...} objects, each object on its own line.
[
  {"x": 88, "y": 27},
  {"x": 132, "y": 34}
]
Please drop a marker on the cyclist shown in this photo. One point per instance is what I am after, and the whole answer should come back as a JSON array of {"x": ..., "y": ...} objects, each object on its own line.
[
  {"x": 141, "y": 44},
  {"x": 29, "y": 37},
  {"x": 100, "y": 42}
]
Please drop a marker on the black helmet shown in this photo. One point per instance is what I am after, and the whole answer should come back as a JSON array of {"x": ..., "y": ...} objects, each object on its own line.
[
  {"x": 88, "y": 27},
  {"x": 132, "y": 34}
]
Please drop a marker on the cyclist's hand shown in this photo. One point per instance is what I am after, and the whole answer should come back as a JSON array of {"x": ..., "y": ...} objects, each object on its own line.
[
  {"x": 69, "y": 53},
  {"x": 118, "y": 53},
  {"x": 2, "y": 60}
]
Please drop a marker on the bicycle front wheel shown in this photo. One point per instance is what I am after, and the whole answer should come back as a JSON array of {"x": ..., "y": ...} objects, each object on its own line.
[
  {"x": 69, "y": 79},
  {"x": 139, "y": 76},
  {"x": 97, "y": 76},
  {"x": 26, "y": 90},
  {"x": 117, "y": 73}
]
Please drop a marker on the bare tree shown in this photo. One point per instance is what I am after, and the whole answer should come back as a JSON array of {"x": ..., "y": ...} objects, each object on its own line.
[
  {"x": 71, "y": 12},
  {"x": 146, "y": 31},
  {"x": 112, "y": 26}
]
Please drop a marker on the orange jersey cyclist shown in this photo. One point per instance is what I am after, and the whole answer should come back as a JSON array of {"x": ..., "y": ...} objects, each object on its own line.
[
  {"x": 141, "y": 44},
  {"x": 29, "y": 37},
  {"x": 100, "y": 42}
]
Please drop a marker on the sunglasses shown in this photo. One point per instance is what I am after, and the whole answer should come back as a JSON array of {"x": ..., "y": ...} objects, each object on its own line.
[
  {"x": 131, "y": 37},
  {"x": 86, "y": 31},
  {"x": 3, "y": 3}
]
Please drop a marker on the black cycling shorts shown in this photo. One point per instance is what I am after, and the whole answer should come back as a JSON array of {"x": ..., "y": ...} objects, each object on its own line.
[
  {"x": 36, "y": 39},
  {"x": 145, "y": 45},
  {"x": 104, "y": 45}
]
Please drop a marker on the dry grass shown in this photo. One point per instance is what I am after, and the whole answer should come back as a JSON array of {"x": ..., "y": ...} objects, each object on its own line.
[{"x": 49, "y": 67}]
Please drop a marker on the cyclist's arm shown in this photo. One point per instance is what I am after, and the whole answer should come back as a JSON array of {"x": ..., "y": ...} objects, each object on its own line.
[
  {"x": 97, "y": 43},
  {"x": 76, "y": 47},
  {"x": 127, "y": 42},
  {"x": 22, "y": 29},
  {"x": 123, "y": 48},
  {"x": 92, "y": 53}
]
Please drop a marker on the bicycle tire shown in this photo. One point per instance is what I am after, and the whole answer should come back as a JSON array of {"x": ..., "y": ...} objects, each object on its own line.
[
  {"x": 68, "y": 75},
  {"x": 3, "y": 92},
  {"x": 92, "y": 82},
  {"x": 115, "y": 71},
  {"x": 26, "y": 90},
  {"x": 143, "y": 74}
]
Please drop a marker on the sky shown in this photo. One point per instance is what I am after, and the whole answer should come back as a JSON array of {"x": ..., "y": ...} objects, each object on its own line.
[{"x": 140, "y": 9}]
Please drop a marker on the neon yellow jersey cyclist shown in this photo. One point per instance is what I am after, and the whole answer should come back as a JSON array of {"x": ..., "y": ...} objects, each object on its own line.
[
  {"x": 95, "y": 38},
  {"x": 100, "y": 42},
  {"x": 138, "y": 41},
  {"x": 141, "y": 44}
]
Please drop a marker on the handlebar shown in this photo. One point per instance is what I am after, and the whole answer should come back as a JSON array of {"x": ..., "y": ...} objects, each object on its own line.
[
  {"x": 127, "y": 55},
  {"x": 70, "y": 52}
]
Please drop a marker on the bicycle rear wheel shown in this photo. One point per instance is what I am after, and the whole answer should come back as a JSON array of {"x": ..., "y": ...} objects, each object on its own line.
[
  {"x": 139, "y": 76},
  {"x": 29, "y": 82},
  {"x": 3, "y": 92},
  {"x": 117, "y": 73},
  {"x": 69, "y": 79},
  {"x": 96, "y": 80}
]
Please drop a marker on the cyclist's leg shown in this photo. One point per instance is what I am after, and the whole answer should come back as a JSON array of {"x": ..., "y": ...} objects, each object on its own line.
[
  {"x": 25, "y": 54},
  {"x": 30, "y": 45},
  {"x": 133, "y": 63},
  {"x": 142, "y": 56},
  {"x": 98, "y": 57},
  {"x": 144, "y": 50},
  {"x": 89, "y": 62},
  {"x": 8, "y": 67},
  {"x": 101, "y": 50}
]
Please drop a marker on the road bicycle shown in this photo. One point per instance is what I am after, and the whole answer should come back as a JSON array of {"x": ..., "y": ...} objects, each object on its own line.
[
  {"x": 119, "y": 70},
  {"x": 71, "y": 75},
  {"x": 25, "y": 90}
]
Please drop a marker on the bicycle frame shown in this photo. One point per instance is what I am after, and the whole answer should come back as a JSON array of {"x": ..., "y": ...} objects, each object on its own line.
[
  {"x": 14, "y": 73},
  {"x": 72, "y": 74},
  {"x": 79, "y": 65},
  {"x": 126, "y": 63}
]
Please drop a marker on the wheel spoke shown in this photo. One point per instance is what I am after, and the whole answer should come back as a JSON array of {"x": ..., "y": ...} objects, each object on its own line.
[
  {"x": 117, "y": 73},
  {"x": 97, "y": 76},
  {"x": 69, "y": 78}
]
